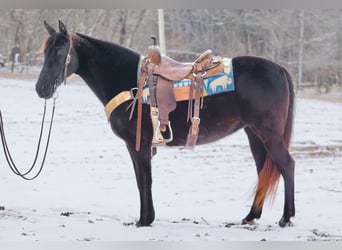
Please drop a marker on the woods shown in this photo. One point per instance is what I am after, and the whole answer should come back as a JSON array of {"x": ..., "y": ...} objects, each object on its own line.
[{"x": 308, "y": 43}]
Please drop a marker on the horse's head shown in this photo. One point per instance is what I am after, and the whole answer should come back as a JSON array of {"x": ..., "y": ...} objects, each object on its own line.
[{"x": 60, "y": 60}]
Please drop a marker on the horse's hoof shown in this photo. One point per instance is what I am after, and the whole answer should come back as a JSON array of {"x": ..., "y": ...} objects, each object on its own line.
[
  {"x": 283, "y": 223},
  {"x": 144, "y": 223},
  {"x": 248, "y": 222},
  {"x": 141, "y": 224}
]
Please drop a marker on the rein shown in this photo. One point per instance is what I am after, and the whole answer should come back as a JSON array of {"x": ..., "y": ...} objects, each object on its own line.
[{"x": 8, "y": 155}]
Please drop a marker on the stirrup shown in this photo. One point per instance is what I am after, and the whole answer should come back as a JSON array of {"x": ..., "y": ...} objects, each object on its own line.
[{"x": 157, "y": 132}]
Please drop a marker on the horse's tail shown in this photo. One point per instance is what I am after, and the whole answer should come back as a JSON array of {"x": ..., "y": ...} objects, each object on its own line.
[
  {"x": 289, "y": 121},
  {"x": 269, "y": 175}
]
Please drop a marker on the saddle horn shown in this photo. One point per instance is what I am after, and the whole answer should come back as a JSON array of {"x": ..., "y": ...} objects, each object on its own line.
[
  {"x": 154, "y": 40},
  {"x": 154, "y": 53}
]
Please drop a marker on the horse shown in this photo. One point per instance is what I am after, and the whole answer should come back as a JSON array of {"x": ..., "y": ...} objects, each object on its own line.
[{"x": 262, "y": 104}]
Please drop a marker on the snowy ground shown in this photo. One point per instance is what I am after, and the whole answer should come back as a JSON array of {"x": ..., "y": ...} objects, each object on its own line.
[{"x": 199, "y": 195}]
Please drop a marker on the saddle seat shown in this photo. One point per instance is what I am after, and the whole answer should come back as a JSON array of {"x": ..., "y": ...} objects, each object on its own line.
[{"x": 173, "y": 70}]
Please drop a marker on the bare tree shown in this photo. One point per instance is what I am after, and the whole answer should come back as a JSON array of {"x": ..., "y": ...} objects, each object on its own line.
[{"x": 274, "y": 34}]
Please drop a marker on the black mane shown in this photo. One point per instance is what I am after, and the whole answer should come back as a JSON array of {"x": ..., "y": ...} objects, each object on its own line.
[{"x": 109, "y": 47}]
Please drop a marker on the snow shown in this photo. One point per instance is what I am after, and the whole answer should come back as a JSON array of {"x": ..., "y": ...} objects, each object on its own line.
[{"x": 199, "y": 195}]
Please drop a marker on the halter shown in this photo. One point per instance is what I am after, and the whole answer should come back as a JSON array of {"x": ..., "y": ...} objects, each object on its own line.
[
  {"x": 68, "y": 58},
  {"x": 67, "y": 61}
]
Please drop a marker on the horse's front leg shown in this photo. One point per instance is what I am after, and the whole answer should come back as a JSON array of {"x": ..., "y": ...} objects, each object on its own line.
[{"x": 142, "y": 167}]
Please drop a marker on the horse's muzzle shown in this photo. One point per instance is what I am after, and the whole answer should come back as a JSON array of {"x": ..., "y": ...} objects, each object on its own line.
[{"x": 45, "y": 91}]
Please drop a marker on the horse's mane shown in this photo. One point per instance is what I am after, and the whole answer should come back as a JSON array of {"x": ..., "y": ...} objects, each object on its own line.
[{"x": 109, "y": 46}]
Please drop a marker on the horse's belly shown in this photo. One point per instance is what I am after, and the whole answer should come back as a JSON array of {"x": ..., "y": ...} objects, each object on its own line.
[{"x": 216, "y": 122}]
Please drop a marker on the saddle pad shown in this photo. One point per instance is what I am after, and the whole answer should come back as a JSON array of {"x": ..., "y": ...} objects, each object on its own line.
[{"x": 223, "y": 82}]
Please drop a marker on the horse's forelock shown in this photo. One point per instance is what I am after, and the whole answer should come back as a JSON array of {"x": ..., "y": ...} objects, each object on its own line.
[
  {"x": 43, "y": 46},
  {"x": 51, "y": 40}
]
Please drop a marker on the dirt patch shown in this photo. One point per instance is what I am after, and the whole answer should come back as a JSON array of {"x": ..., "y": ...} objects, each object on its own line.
[
  {"x": 75, "y": 79},
  {"x": 323, "y": 236},
  {"x": 335, "y": 97},
  {"x": 316, "y": 151},
  {"x": 22, "y": 76}
]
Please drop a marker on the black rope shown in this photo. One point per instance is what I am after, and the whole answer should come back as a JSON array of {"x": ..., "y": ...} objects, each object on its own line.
[
  {"x": 8, "y": 155},
  {"x": 6, "y": 149}
]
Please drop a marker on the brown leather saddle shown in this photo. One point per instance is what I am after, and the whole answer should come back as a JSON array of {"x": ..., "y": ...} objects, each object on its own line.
[{"x": 159, "y": 72}]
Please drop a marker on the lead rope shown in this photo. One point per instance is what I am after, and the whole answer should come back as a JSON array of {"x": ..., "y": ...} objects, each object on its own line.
[{"x": 8, "y": 155}]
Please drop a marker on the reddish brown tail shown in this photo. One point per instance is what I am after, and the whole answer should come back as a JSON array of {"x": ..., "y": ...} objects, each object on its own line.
[{"x": 269, "y": 175}]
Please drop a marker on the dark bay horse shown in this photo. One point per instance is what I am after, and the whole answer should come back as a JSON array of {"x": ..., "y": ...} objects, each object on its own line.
[{"x": 262, "y": 104}]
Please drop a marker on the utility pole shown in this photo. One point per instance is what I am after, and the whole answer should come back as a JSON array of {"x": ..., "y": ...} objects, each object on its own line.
[
  {"x": 161, "y": 30},
  {"x": 300, "y": 55}
]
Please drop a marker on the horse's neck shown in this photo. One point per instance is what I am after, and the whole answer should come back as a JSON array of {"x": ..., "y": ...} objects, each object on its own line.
[{"x": 107, "y": 68}]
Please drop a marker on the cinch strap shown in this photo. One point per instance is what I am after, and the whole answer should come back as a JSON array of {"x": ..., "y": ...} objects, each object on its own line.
[{"x": 116, "y": 101}]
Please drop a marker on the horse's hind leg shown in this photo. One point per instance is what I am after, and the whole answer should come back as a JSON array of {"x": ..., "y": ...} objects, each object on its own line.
[
  {"x": 272, "y": 159},
  {"x": 281, "y": 157},
  {"x": 142, "y": 168},
  {"x": 259, "y": 153}
]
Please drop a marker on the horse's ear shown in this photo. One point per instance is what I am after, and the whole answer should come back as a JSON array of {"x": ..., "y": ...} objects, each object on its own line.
[
  {"x": 49, "y": 29},
  {"x": 62, "y": 27}
]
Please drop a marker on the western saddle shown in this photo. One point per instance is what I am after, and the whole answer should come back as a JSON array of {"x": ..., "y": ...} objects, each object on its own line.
[{"x": 159, "y": 72}]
